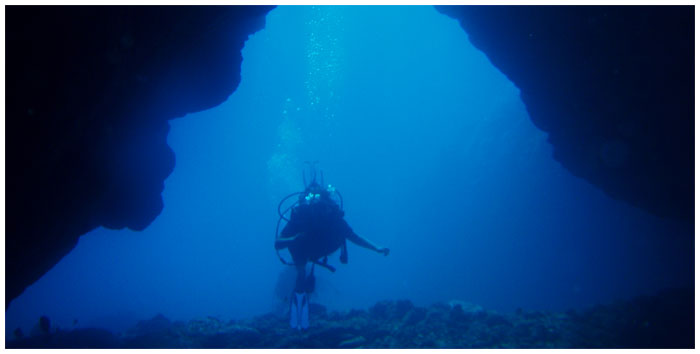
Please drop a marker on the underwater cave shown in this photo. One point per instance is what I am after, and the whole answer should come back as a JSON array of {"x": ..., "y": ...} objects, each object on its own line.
[{"x": 513, "y": 158}]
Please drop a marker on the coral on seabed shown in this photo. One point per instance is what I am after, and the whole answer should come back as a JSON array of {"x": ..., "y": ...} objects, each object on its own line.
[{"x": 662, "y": 321}]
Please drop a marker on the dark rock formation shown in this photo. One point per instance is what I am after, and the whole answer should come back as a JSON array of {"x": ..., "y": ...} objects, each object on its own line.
[
  {"x": 89, "y": 93},
  {"x": 612, "y": 85},
  {"x": 90, "y": 90},
  {"x": 665, "y": 320},
  {"x": 79, "y": 339}
]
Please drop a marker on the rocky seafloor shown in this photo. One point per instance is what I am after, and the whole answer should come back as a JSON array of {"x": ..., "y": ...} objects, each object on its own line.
[{"x": 665, "y": 320}]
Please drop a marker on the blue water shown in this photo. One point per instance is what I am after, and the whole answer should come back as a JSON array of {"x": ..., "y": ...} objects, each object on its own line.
[{"x": 435, "y": 156}]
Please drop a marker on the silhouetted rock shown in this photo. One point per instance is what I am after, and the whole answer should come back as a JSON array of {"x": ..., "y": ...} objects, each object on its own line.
[
  {"x": 317, "y": 309},
  {"x": 414, "y": 316},
  {"x": 75, "y": 339},
  {"x": 352, "y": 343},
  {"x": 90, "y": 90},
  {"x": 158, "y": 332},
  {"x": 391, "y": 309},
  {"x": 18, "y": 333},
  {"x": 613, "y": 86},
  {"x": 44, "y": 324}
]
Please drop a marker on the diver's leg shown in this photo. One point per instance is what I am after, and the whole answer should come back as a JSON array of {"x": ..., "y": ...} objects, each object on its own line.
[
  {"x": 301, "y": 278},
  {"x": 310, "y": 282},
  {"x": 304, "y": 309},
  {"x": 293, "y": 312},
  {"x": 298, "y": 297},
  {"x": 301, "y": 297}
]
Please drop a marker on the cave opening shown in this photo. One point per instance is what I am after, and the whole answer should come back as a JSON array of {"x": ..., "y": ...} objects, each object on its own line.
[{"x": 434, "y": 153}]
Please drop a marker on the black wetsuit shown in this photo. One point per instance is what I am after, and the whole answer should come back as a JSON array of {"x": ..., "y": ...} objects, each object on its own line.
[{"x": 321, "y": 230}]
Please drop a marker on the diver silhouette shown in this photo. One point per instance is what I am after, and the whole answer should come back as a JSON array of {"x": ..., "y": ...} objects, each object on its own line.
[{"x": 314, "y": 230}]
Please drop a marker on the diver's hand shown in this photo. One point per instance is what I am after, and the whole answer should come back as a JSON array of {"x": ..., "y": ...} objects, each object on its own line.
[{"x": 384, "y": 250}]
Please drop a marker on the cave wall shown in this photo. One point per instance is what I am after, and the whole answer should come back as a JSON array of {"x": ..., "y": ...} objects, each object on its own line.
[
  {"x": 613, "y": 86},
  {"x": 89, "y": 92}
]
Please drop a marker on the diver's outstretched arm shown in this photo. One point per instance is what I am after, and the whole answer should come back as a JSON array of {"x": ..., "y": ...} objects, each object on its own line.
[{"x": 356, "y": 239}]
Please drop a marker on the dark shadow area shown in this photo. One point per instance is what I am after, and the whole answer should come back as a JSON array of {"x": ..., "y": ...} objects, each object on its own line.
[
  {"x": 613, "y": 86},
  {"x": 90, "y": 90}
]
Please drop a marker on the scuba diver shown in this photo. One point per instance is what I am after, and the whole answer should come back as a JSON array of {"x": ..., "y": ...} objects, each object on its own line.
[{"x": 314, "y": 230}]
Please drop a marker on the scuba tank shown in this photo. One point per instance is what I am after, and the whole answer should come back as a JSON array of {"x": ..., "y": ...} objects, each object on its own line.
[{"x": 313, "y": 193}]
